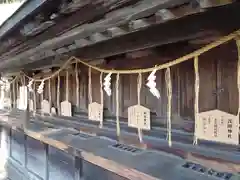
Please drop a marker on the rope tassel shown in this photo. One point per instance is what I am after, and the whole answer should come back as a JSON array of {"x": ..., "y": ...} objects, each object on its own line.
[
  {"x": 140, "y": 135},
  {"x": 77, "y": 84},
  {"x": 196, "y": 108},
  {"x": 169, "y": 105},
  {"x": 58, "y": 96},
  {"x": 14, "y": 94},
  {"x": 34, "y": 99},
  {"x": 238, "y": 73},
  {"x": 90, "y": 86},
  {"x": 50, "y": 95},
  {"x": 102, "y": 100},
  {"x": 117, "y": 106},
  {"x": 67, "y": 85}
]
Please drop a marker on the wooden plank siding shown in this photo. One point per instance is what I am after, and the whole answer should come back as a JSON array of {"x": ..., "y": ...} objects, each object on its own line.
[{"x": 218, "y": 85}]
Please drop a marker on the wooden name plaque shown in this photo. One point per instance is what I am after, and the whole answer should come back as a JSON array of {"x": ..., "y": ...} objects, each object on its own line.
[
  {"x": 23, "y": 99},
  {"x": 66, "y": 108},
  {"x": 7, "y": 103},
  {"x": 95, "y": 112},
  {"x": 139, "y": 117},
  {"x": 45, "y": 107},
  {"x": 31, "y": 105},
  {"x": 218, "y": 126}
]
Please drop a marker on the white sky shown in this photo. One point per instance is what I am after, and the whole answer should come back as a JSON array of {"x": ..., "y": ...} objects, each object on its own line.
[{"x": 6, "y": 10}]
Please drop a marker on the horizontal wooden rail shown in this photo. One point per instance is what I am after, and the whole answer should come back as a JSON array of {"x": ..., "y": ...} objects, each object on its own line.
[{"x": 112, "y": 166}]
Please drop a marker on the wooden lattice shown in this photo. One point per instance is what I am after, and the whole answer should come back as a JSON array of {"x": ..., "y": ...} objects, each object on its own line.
[
  {"x": 95, "y": 112},
  {"x": 218, "y": 126},
  {"x": 66, "y": 108},
  {"x": 139, "y": 117},
  {"x": 45, "y": 107}
]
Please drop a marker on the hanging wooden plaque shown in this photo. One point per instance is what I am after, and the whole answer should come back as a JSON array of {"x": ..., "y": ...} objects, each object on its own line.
[
  {"x": 23, "y": 99},
  {"x": 7, "y": 103},
  {"x": 18, "y": 103},
  {"x": 31, "y": 105},
  {"x": 219, "y": 126},
  {"x": 66, "y": 108},
  {"x": 45, "y": 107},
  {"x": 139, "y": 117},
  {"x": 95, "y": 112},
  {"x": 53, "y": 111}
]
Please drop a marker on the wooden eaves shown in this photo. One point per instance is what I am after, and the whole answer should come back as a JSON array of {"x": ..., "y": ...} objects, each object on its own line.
[{"x": 130, "y": 29}]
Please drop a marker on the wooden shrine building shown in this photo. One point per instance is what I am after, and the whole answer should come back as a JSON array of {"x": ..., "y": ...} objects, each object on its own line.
[{"x": 121, "y": 89}]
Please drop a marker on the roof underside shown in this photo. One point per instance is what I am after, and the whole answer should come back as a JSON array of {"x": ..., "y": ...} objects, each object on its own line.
[{"x": 98, "y": 29}]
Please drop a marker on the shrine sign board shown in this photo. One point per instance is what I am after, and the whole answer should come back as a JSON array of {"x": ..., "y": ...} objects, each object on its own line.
[
  {"x": 66, "y": 108},
  {"x": 95, "y": 112},
  {"x": 53, "y": 111},
  {"x": 139, "y": 117},
  {"x": 7, "y": 103},
  {"x": 23, "y": 99},
  {"x": 45, "y": 107},
  {"x": 31, "y": 105},
  {"x": 219, "y": 126}
]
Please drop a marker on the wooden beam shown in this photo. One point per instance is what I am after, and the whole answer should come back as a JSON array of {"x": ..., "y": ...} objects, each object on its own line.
[
  {"x": 116, "y": 31},
  {"x": 97, "y": 37},
  {"x": 82, "y": 16},
  {"x": 191, "y": 28},
  {"x": 141, "y": 10},
  {"x": 165, "y": 14},
  {"x": 163, "y": 33},
  {"x": 214, "y": 3},
  {"x": 137, "y": 24}
]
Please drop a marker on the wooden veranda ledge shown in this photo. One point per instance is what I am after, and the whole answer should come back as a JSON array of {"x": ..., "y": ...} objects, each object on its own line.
[
  {"x": 130, "y": 166},
  {"x": 128, "y": 172}
]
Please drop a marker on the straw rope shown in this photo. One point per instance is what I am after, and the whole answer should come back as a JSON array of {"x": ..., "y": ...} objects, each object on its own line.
[
  {"x": 50, "y": 95},
  {"x": 10, "y": 96},
  {"x": 58, "y": 95},
  {"x": 117, "y": 106},
  {"x": 196, "y": 103},
  {"x": 169, "y": 105},
  {"x": 139, "y": 86},
  {"x": 77, "y": 84},
  {"x": 194, "y": 55},
  {"x": 23, "y": 79},
  {"x": 67, "y": 85},
  {"x": 42, "y": 98},
  {"x": 14, "y": 94},
  {"x": 102, "y": 100},
  {"x": 90, "y": 86},
  {"x": 238, "y": 74},
  {"x": 17, "y": 87},
  {"x": 34, "y": 99}
]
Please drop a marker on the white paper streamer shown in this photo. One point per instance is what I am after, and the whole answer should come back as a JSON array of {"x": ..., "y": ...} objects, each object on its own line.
[
  {"x": 30, "y": 86},
  {"x": 40, "y": 88},
  {"x": 107, "y": 84},
  {"x": 152, "y": 84}
]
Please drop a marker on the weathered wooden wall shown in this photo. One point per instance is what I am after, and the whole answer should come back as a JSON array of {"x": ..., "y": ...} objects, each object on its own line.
[{"x": 218, "y": 84}]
